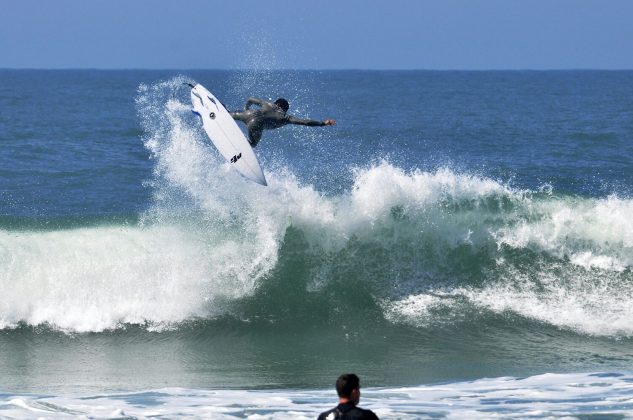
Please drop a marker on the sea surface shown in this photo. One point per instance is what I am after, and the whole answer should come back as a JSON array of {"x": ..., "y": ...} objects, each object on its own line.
[{"x": 463, "y": 241}]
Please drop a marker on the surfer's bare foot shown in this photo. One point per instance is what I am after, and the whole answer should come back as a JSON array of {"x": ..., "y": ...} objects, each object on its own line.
[{"x": 329, "y": 122}]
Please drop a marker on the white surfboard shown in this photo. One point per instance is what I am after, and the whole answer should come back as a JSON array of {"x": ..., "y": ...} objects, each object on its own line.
[{"x": 225, "y": 134}]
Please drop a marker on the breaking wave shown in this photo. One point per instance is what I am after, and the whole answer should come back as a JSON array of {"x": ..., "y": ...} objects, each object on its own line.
[{"x": 404, "y": 247}]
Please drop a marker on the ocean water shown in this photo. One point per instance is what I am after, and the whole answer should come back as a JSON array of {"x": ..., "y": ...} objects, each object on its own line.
[{"x": 463, "y": 241}]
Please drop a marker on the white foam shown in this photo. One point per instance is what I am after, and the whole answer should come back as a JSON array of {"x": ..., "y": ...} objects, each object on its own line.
[
  {"x": 420, "y": 310},
  {"x": 540, "y": 396},
  {"x": 97, "y": 278},
  {"x": 595, "y": 309},
  {"x": 590, "y": 232},
  {"x": 590, "y": 305}
]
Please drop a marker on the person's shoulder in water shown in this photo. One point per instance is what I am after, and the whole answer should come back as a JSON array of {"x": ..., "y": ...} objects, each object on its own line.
[
  {"x": 348, "y": 390},
  {"x": 348, "y": 412}
]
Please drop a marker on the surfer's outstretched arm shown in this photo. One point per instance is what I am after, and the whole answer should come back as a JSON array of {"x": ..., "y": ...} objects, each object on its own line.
[{"x": 308, "y": 122}]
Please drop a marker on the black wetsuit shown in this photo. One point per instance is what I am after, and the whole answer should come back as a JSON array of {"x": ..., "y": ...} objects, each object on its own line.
[
  {"x": 348, "y": 411},
  {"x": 268, "y": 116}
]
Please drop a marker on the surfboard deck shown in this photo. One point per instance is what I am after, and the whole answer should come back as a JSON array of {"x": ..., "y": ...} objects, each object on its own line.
[{"x": 225, "y": 135}]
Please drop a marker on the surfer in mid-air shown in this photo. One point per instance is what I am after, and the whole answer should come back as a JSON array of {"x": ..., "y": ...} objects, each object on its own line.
[{"x": 268, "y": 116}]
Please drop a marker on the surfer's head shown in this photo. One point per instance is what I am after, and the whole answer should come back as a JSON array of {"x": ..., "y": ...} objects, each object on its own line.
[
  {"x": 282, "y": 104},
  {"x": 348, "y": 387}
]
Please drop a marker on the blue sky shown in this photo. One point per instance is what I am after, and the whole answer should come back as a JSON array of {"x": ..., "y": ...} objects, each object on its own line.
[{"x": 319, "y": 34}]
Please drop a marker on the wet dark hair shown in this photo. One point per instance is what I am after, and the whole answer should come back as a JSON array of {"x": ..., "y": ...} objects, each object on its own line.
[
  {"x": 346, "y": 383},
  {"x": 283, "y": 104}
]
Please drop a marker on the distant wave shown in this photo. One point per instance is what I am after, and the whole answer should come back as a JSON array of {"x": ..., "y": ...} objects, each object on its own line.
[{"x": 418, "y": 248}]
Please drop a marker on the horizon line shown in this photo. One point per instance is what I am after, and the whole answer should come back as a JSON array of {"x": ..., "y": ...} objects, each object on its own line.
[{"x": 307, "y": 69}]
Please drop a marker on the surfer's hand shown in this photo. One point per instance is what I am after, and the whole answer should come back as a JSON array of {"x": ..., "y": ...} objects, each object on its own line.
[{"x": 329, "y": 122}]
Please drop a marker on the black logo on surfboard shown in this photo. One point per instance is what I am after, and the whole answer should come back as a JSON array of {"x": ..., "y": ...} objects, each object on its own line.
[
  {"x": 236, "y": 158},
  {"x": 212, "y": 115}
]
